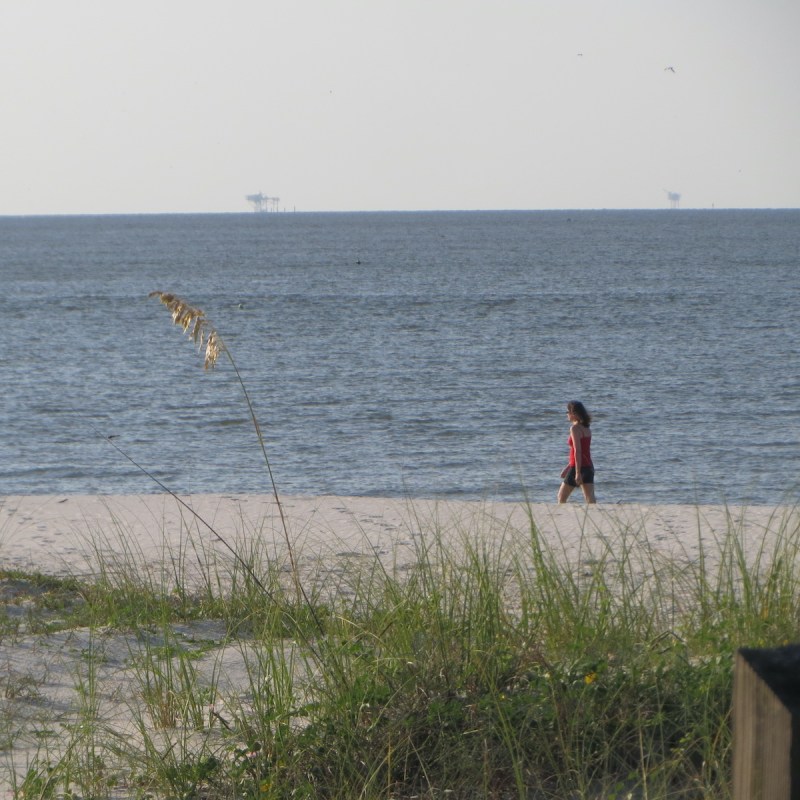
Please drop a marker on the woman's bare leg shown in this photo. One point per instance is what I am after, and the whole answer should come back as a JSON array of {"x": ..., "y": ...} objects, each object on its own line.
[
  {"x": 588, "y": 492},
  {"x": 564, "y": 491}
]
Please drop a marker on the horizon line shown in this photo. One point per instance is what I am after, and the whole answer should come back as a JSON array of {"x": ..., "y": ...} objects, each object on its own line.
[{"x": 287, "y": 212}]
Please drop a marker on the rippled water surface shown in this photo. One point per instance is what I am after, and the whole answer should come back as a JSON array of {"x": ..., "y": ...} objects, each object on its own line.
[{"x": 421, "y": 354}]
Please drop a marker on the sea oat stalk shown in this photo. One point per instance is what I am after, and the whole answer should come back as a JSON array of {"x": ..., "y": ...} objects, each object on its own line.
[{"x": 194, "y": 322}]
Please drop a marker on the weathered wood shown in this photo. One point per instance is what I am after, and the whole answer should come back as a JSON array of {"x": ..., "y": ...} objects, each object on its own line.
[{"x": 766, "y": 720}]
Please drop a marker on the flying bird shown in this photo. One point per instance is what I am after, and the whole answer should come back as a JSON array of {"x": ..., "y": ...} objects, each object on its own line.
[{"x": 669, "y": 69}]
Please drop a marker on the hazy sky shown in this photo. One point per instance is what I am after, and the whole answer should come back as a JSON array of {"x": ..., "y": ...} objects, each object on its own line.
[{"x": 117, "y": 106}]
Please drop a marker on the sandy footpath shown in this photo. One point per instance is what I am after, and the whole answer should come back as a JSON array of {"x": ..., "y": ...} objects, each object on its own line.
[{"x": 63, "y": 534}]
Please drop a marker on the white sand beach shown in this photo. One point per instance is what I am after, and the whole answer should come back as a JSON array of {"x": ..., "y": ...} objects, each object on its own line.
[
  {"x": 43, "y": 673},
  {"x": 60, "y": 534}
]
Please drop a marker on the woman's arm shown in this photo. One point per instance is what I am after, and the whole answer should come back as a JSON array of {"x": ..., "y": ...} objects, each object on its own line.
[{"x": 576, "y": 440}]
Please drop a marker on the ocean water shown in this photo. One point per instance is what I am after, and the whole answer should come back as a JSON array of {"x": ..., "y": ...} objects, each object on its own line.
[{"x": 406, "y": 354}]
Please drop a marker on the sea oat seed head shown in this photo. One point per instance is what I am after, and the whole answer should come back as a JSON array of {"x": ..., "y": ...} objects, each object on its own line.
[
  {"x": 198, "y": 331},
  {"x": 213, "y": 349},
  {"x": 185, "y": 315},
  {"x": 194, "y": 323}
]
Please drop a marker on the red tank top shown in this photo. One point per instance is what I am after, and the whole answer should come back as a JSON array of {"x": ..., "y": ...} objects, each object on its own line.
[{"x": 586, "y": 451}]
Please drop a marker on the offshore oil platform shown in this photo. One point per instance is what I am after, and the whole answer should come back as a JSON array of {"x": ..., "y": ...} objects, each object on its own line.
[{"x": 262, "y": 203}]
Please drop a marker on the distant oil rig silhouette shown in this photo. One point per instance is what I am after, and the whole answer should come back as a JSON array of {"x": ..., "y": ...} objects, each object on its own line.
[
  {"x": 674, "y": 199},
  {"x": 262, "y": 203}
]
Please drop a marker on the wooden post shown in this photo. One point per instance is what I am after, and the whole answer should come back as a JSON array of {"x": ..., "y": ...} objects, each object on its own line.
[{"x": 766, "y": 724}]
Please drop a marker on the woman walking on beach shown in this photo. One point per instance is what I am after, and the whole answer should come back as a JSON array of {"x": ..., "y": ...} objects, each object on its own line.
[{"x": 580, "y": 470}]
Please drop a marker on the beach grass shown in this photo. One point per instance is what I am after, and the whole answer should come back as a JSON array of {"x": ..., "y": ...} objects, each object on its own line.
[{"x": 502, "y": 667}]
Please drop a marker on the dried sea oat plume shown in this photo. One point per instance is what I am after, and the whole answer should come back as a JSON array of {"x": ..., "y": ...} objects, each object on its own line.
[
  {"x": 194, "y": 322},
  {"x": 201, "y": 332}
]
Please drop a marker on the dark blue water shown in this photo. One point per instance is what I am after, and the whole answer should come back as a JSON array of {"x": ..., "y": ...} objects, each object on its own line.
[{"x": 424, "y": 354}]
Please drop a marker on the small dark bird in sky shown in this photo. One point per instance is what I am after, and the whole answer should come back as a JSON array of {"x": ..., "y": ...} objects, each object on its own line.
[{"x": 669, "y": 69}]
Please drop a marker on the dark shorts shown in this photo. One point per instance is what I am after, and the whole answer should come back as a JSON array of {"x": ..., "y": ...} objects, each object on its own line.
[{"x": 587, "y": 473}]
